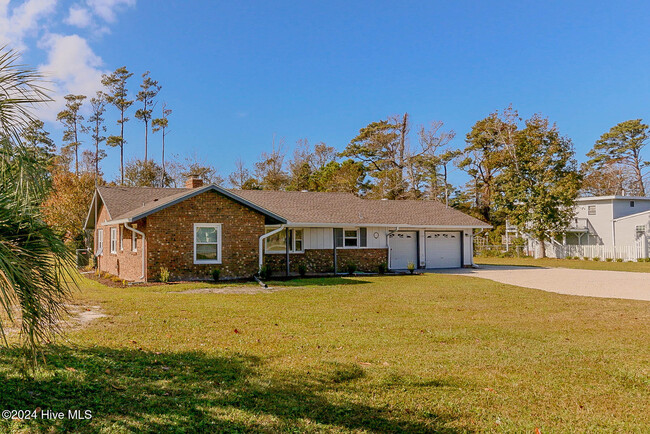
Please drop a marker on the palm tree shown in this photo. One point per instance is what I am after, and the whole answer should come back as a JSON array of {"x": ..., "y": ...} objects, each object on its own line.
[{"x": 34, "y": 262}]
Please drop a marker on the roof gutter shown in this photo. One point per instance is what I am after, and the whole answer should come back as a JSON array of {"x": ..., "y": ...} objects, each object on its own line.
[
  {"x": 261, "y": 245},
  {"x": 135, "y": 231}
]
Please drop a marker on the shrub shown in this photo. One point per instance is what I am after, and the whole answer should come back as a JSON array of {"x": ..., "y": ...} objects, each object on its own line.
[
  {"x": 411, "y": 267},
  {"x": 596, "y": 258},
  {"x": 381, "y": 268},
  {"x": 607, "y": 259},
  {"x": 164, "y": 274},
  {"x": 619, "y": 259},
  {"x": 302, "y": 270},
  {"x": 265, "y": 271},
  {"x": 640, "y": 259},
  {"x": 351, "y": 267},
  {"x": 215, "y": 274}
]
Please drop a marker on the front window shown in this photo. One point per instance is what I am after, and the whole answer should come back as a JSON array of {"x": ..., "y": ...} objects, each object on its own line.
[
  {"x": 207, "y": 243},
  {"x": 640, "y": 231},
  {"x": 277, "y": 242},
  {"x": 100, "y": 242},
  {"x": 351, "y": 238},
  {"x": 113, "y": 240}
]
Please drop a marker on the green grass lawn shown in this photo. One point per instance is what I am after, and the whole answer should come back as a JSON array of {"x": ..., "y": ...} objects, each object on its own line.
[
  {"x": 366, "y": 354},
  {"x": 641, "y": 267}
]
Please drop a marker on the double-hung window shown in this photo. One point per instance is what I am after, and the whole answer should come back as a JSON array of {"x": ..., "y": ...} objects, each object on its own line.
[
  {"x": 640, "y": 231},
  {"x": 351, "y": 238},
  {"x": 277, "y": 243},
  {"x": 121, "y": 239},
  {"x": 207, "y": 243},
  {"x": 113, "y": 240},
  {"x": 134, "y": 242},
  {"x": 100, "y": 242}
]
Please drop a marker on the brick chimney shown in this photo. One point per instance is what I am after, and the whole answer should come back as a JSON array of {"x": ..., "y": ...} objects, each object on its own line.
[{"x": 193, "y": 181}]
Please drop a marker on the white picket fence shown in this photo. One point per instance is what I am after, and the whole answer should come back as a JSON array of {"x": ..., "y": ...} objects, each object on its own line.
[{"x": 626, "y": 253}]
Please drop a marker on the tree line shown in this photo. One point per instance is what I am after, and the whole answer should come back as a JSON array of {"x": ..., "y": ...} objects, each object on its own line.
[{"x": 520, "y": 170}]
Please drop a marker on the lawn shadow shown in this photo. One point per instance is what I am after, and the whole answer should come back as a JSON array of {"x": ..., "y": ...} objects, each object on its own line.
[
  {"x": 318, "y": 281},
  {"x": 132, "y": 390}
]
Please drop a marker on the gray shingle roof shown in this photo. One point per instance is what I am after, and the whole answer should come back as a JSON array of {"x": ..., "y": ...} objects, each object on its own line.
[{"x": 296, "y": 207}]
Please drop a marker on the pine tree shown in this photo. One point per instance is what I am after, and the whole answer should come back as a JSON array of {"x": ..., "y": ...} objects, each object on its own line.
[
  {"x": 146, "y": 96},
  {"x": 117, "y": 94},
  {"x": 72, "y": 120},
  {"x": 161, "y": 124}
]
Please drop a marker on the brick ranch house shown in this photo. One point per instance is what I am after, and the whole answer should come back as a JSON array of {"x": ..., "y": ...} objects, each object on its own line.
[{"x": 193, "y": 230}]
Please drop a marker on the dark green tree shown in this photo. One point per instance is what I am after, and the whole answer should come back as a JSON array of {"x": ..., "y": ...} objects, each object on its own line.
[
  {"x": 117, "y": 95},
  {"x": 623, "y": 144},
  {"x": 540, "y": 182},
  {"x": 38, "y": 142}
]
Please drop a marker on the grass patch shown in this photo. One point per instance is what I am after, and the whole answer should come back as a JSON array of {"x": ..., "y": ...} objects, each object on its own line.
[
  {"x": 639, "y": 267},
  {"x": 393, "y": 353}
]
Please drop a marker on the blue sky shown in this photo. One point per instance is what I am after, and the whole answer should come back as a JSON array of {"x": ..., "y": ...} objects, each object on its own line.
[{"x": 236, "y": 73}]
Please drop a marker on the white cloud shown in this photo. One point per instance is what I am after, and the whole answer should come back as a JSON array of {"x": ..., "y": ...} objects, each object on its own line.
[
  {"x": 106, "y": 9},
  {"x": 79, "y": 16},
  {"x": 72, "y": 67},
  {"x": 22, "y": 20}
]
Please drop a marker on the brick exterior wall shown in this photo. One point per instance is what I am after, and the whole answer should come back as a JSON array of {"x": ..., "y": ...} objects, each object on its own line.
[
  {"x": 170, "y": 243},
  {"x": 125, "y": 264},
  {"x": 170, "y": 237},
  {"x": 322, "y": 260}
]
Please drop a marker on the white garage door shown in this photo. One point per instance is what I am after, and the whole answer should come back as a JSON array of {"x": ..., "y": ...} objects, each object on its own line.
[
  {"x": 403, "y": 249},
  {"x": 442, "y": 249}
]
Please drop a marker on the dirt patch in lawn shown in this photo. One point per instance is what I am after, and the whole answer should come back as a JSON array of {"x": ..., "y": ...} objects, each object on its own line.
[
  {"x": 237, "y": 290},
  {"x": 78, "y": 316}
]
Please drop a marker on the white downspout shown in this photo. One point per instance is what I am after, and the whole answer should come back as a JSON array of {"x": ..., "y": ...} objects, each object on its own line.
[
  {"x": 261, "y": 245},
  {"x": 135, "y": 231},
  {"x": 388, "y": 243}
]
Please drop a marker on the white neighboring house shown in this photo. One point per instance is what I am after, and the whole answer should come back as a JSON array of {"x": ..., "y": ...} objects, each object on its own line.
[{"x": 604, "y": 226}]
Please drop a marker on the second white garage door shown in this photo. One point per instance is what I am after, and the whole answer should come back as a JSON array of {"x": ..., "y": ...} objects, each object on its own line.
[
  {"x": 403, "y": 249},
  {"x": 442, "y": 249}
]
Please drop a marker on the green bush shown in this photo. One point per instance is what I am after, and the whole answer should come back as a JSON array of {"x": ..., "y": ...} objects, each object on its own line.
[
  {"x": 381, "y": 268},
  {"x": 215, "y": 274},
  {"x": 607, "y": 259},
  {"x": 619, "y": 259},
  {"x": 351, "y": 267},
  {"x": 640, "y": 259},
  {"x": 596, "y": 258},
  {"x": 302, "y": 270},
  {"x": 164, "y": 274}
]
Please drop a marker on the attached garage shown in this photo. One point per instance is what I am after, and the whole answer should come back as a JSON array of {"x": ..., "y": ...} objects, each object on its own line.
[
  {"x": 403, "y": 249},
  {"x": 443, "y": 249}
]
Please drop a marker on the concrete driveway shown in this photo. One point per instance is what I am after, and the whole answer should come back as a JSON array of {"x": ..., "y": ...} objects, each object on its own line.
[{"x": 591, "y": 283}]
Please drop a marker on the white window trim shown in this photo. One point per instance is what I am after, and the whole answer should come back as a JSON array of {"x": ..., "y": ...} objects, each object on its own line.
[
  {"x": 113, "y": 240},
  {"x": 100, "y": 242},
  {"x": 121, "y": 239},
  {"x": 207, "y": 225},
  {"x": 358, "y": 239},
  {"x": 292, "y": 248}
]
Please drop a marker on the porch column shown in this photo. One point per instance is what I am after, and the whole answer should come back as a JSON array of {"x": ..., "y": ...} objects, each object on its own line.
[{"x": 287, "y": 244}]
